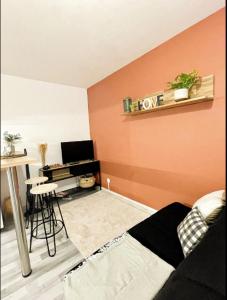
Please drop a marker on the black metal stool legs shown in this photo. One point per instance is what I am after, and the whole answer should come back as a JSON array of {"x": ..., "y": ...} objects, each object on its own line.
[
  {"x": 62, "y": 220},
  {"x": 28, "y": 207},
  {"x": 32, "y": 220},
  {"x": 51, "y": 222},
  {"x": 44, "y": 204},
  {"x": 26, "y": 213}
]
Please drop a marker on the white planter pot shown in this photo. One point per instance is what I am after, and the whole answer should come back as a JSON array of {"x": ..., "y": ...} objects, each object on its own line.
[
  {"x": 9, "y": 149},
  {"x": 181, "y": 94}
]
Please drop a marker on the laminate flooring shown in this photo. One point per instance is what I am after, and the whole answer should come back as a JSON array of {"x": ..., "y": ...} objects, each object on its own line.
[{"x": 46, "y": 280}]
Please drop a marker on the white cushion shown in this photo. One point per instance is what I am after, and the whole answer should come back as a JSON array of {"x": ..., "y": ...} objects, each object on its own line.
[{"x": 210, "y": 202}]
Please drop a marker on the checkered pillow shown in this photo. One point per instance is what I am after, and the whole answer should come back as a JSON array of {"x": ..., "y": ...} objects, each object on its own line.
[{"x": 191, "y": 230}]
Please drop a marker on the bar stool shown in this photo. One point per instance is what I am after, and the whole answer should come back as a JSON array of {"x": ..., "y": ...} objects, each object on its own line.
[
  {"x": 29, "y": 198},
  {"x": 44, "y": 199}
]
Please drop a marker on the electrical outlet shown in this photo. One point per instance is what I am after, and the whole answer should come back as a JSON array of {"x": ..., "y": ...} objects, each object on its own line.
[{"x": 108, "y": 183}]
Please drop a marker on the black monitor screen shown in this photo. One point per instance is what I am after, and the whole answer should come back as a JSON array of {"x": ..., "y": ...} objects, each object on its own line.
[{"x": 77, "y": 151}]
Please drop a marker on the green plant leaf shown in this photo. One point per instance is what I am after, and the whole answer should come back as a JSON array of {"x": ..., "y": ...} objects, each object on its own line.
[{"x": 184, "y": 80}]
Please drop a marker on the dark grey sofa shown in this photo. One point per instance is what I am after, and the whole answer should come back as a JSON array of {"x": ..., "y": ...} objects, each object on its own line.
[{"x": 199, "y": 276}]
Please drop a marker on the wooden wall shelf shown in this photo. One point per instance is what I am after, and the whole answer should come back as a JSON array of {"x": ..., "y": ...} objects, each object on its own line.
[
  {"x": 170, "y": 105},
  {"x": 202, "y": 92}
]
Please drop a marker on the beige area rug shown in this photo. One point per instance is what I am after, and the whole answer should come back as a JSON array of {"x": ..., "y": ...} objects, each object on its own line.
[{"x": 94, "y": 220}]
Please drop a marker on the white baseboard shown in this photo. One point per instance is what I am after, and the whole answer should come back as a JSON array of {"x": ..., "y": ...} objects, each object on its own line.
[{"x": 133, "y": 202}]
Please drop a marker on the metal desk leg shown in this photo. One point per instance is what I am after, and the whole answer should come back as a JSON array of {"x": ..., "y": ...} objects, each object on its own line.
[{"x": 19, "y": 221}]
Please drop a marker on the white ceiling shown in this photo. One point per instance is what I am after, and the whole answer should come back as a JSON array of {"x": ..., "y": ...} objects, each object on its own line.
[{"x": 79, "y": 42}]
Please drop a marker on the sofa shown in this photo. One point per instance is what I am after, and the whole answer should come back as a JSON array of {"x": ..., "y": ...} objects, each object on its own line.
[{"x": 201, "y": 275}]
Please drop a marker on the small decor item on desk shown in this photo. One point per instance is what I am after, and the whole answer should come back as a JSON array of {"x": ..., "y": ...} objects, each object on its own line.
[
  {"x": 45, "y": 168},
  {"x": 10, "y": 141},
  {"x": 42, "y": 150},
  {"x": 126, "y": 103},
  {"x": 183, "y": 83},
  {"x": 55, "y": 166}
]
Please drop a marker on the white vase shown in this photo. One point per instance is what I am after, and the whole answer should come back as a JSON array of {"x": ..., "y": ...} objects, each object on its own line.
[
  {"x": 9, "y": 149},
  {"x": 181, "y": 94}
]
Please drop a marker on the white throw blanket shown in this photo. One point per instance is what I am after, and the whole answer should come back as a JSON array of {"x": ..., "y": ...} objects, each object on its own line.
[{"x": 125, "y": 270}]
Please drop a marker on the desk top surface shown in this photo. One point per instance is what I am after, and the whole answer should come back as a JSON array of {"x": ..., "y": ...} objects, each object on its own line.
[
  {"x": 17, "y": 161},
  {"x": 68, "y": 165}
]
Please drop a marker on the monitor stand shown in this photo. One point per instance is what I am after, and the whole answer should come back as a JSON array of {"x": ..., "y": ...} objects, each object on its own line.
[{"x": 74, "y": 169}]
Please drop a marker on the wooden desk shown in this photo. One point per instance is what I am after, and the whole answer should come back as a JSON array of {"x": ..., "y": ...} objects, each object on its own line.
[
  {"x": 10, "y": 164},
  {"x": 71, "y": 170}
]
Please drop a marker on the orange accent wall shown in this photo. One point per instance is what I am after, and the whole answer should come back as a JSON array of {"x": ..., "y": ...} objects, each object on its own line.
[{"x": 170, "y": 155}]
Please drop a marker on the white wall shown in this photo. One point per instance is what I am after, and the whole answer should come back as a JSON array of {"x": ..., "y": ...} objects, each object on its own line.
[{"x": 42, "y": 113}]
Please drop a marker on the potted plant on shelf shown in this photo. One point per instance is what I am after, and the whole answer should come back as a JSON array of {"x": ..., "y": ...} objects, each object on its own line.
[
  {"x": 10, "y": 140},
  {"x": 183, "y": 83}
]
